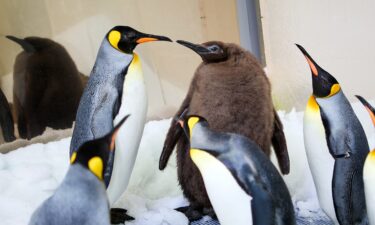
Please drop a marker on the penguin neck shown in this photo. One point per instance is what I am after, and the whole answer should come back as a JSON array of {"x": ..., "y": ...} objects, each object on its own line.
[
  {"x": 337, "y": 104},
  {"x": 110, "y": 63},
  {"x": 81, "y": 179},
  {"x": 204, "y": 138}
]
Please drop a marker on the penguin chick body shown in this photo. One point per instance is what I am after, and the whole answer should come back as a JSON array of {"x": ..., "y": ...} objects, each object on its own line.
[
  {"x": 6, "y": 119},
  {"x": 242, "y": 183},
  {"x": 47, "y": 86},
  {"x": 337, "y": 166},
  {"x": 81, "y": 197},
  {"x": 231, "y": 91},
  {"x": 369, "y": 170}
]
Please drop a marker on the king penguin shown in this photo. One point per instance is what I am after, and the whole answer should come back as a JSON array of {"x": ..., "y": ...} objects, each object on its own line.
[
  {"x": 230, "y": 90},
  {"x": 46, "y": 86},
  {"x": 336, "y": 148},
  {"x": 242, "y": 183},
  {"x": 369, "y": 170},
  {"x": 107, "y": 98},
  {"x": 81, "y": 197}
]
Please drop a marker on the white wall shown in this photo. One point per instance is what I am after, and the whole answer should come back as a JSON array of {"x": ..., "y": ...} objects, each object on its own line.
[{"x": 339, "y": 34}]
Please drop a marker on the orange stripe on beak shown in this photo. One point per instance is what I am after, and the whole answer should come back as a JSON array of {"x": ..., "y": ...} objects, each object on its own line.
[
  {"x": 146, "y": 39},
  {"x": 371, "y": 115},
  {"x": 181, "y": 123},
  {"x": 312, "y": 66}
]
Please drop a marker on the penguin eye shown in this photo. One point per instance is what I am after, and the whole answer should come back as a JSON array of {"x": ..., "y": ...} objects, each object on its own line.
[{"x": 214, "y": 48}]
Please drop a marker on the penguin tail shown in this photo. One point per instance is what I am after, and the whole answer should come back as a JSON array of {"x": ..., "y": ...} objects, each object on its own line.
[
  {"x": 279, "y": 145},
  {"x": 23, "y": 43}
]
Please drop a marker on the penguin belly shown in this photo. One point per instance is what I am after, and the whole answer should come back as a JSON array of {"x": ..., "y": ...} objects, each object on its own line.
[
  {"x": 369, "y": 182},
  {"x": 232, "y": 205},
  {"x": 320, "y": 161},
  {"x": 133, "y": 102}
]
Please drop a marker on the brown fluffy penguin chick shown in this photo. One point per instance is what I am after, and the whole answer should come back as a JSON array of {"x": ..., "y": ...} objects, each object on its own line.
[
  {"x": 47, "y": 86},
  {"x": 230, "y": 90}
]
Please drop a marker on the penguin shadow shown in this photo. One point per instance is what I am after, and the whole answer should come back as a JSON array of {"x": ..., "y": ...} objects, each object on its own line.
[{"x": 47, "y": 87}]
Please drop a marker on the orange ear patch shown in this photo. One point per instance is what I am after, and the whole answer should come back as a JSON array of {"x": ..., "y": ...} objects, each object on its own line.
[{"x": 312, "y": 66}]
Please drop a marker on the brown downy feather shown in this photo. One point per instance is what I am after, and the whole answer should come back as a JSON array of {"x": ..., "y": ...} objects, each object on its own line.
[
  {"x": 47, "y": 86},
  {"x": 234, "y": 96}
]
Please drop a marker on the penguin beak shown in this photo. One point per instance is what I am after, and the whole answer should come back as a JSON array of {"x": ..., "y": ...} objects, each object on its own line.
[
  {"x": 143, "y": 38},
  {"x": 204, "y": 52},
  {"x": 181, "y": 123},
  {"x": 199, "y": 49},
  {"x": 112, "y": 136},
  {"x": 313, "y": 66},
  {"x": 368, "y": 107}
]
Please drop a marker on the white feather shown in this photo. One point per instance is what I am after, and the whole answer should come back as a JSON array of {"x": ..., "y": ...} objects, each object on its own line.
[
  {"x": 320, "y": 161},
  {"x": 134, "y": 102}
]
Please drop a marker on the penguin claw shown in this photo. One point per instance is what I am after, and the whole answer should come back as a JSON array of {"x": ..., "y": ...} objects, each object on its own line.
[
  {"x": 191, "y": 213},
  {"x": 119, "y": 215}
]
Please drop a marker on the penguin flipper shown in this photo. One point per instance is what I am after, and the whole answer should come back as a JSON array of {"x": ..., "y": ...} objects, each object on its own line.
[
  {"x": 119, "y": 216},
  {"x": 279, "y": 145},
  {"x": 338, "y": 143},
  {"x": 174, "y": 133}
]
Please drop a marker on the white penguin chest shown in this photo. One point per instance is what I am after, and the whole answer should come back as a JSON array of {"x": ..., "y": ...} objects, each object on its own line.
[
  {"x": 133, "y": 102},
  {"x": 320, "y": 160},
  {"x": 369, "y": 182},
  {"x": 231, "y": 204}
]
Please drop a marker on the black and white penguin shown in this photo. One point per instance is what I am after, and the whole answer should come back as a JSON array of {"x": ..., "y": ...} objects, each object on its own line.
[
  {"x": 115, "y": 87},
  {"x": 243, "y": 185},
  {"x": 46, "y": 86},
  {"x": 336, "y": 148},
  {"x": 81, "y": 197}
]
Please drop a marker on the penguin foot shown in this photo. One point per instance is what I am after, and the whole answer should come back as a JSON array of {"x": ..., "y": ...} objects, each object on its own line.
[
  {"x": 119, "y": 215},
  {"x": 210, "y": 212},
  {"x": 191, "y": 213}
]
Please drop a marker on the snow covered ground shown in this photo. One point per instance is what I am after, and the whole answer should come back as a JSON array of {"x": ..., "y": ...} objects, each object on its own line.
[{"x": 30, "y": 174}]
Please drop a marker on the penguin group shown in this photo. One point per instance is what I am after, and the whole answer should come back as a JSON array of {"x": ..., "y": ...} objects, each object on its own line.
[{"x": 223, "y": 133}]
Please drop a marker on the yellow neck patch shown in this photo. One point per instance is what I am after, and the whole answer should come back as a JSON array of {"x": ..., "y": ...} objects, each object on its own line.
[
  {"x": 96, "y": 166},
  {"x": 312, "y": 105},
  {"x": 201, "y": 158},
  {"x": 114, "y": 38},
  {"x": 334, "y": 90},
  {"x": 371, "y": 156},
  {"x": 191, "y": 123},
  {"x": 73, "y": 157}
]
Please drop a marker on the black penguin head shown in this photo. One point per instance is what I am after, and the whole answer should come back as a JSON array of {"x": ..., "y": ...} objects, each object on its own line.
[
  {"x": 368, "y": 107},
  {"x": 33, "y": 44},
  {"x": 125, "y": 39},
  {"x": 94, "y": 154},
  {"x": 213, "y": 51},
  {"x": 324, "y": 84}
]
